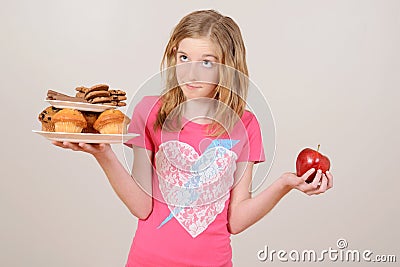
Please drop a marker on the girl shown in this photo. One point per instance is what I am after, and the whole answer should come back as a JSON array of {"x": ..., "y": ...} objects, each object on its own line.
[{"x": 194, "y": 157}]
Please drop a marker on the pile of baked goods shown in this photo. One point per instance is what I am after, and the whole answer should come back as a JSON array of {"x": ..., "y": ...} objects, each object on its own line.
[
  {"x": 97, "y": 94},
  {"x": 72, "y": 120}
]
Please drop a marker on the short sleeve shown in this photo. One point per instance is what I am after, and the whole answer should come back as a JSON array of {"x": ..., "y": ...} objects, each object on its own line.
[
  {"x": 253, "y": 149},
  {"x": 141, "y": 123}
]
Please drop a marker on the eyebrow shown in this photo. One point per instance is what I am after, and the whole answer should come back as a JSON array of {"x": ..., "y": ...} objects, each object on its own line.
[
  {"x": 210, "y": 55},
  {"x": 204, "y": 55}
]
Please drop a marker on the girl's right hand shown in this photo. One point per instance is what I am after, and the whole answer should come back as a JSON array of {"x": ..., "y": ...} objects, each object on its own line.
[{"x": 94, "y": 149}]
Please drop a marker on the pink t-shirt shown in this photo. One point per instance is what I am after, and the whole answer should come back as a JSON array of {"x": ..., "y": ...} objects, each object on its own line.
[{"x": 192, "y": 179}]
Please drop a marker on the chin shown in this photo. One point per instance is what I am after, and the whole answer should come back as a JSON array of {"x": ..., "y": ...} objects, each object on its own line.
[
  {"x": 194, "y": 96},
  {"x": 191, "y": 93}
]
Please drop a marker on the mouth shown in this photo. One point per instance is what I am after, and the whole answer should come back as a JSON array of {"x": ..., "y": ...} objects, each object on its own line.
[{"x": 192, "y": 86}]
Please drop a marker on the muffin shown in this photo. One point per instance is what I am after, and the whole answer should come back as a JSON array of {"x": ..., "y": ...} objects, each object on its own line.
[
  {"x": 90, "y": 117},
  {"x": 111, "y": 121},
  {"x": 69, "y": 120},
  {"x": 45, "y": 117}
]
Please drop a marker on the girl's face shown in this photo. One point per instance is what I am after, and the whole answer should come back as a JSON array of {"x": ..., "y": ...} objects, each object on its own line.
[{"x": 197, "y": 70}]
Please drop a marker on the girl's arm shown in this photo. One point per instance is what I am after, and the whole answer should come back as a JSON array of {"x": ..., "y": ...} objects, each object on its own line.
[
  {"x": 136, "y": 190},
  {"x": 244, "y": 210}
]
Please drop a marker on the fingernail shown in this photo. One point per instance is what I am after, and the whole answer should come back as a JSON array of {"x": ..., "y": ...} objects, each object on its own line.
[
  {"x": 319, "y": 171},
  {"x": 312, "y": 169},
  {"x": 327, "y": 172}
]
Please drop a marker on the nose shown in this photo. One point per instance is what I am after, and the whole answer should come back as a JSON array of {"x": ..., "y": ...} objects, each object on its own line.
[{"x": 192, "y": 71}]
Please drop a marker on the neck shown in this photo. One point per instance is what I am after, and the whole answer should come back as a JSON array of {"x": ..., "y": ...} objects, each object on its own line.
[{"x": 199, "y": 110}]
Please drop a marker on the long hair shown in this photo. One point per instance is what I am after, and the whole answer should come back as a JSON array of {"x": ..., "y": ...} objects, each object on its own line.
[{"x": 232, "y": 88}]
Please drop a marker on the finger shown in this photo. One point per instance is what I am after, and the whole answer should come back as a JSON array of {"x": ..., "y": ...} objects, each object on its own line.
[
  {"x": 65, "y": 145},
  {"x": 317, "y": 179},
  {"x": 73, "y": 146},
  {"x": 57, "y": 143},
  {"x": 324, "y": 184},
  {"x": 89, "y": 148},
  {"x": 322, "y": 188},
  {"x": 305, "y": 187},
  {"x": 329, "y": 176},
  {"x": 93, "y": 148},
  {"x": 307, "y": 174}
]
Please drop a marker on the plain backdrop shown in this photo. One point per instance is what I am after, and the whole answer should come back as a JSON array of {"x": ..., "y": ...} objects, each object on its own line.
[{"x": 328, "y": 69}]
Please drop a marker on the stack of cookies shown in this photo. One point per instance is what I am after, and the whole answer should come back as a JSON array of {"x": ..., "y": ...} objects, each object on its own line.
[
  {"x": 118, "y": 97},
  {"x": 100, "y": 94}
]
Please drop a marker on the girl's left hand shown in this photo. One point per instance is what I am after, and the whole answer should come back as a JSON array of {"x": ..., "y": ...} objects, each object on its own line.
[{"x": 321, "y": 183}]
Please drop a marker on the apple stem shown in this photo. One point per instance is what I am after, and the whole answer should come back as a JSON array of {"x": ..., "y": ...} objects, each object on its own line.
[{"x": 318, "y": 147}]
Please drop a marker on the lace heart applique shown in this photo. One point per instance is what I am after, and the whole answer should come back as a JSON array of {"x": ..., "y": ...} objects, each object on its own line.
[{"x": 194, "y": 187}]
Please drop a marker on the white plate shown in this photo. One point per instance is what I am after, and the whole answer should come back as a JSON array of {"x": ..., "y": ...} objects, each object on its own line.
[
  {"x": 87, "y": 137},
  {"x": 79, "y": 105}
]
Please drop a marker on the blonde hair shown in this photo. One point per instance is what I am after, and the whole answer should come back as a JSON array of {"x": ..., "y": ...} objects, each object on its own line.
[{"x": 231, "y": 91}]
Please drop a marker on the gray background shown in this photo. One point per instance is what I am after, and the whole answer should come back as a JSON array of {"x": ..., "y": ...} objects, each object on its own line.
[{"x": 330, "y": 72}]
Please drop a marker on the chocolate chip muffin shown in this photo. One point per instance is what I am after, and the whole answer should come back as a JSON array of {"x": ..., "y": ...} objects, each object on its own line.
[{"x": 45, "y": 117}]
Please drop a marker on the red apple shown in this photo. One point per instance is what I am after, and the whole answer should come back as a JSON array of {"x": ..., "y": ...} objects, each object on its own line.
[{"x": 309, "y": 158}]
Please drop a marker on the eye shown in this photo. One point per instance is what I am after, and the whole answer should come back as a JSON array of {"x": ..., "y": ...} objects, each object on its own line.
[
  {"x": 183, "y": 58},
  {"x": 207, "y": 63}
]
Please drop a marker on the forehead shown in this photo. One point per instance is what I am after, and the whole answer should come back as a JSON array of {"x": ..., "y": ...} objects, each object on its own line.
[{"x": 197, "y": 47}]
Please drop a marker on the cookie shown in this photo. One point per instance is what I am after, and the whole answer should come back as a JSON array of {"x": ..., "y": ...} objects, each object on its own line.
[
  {"x": 67, "y": 98},
  {"x": 80, "y": 95},
  {"x": 118, "y": 97},
  {"x": 82, "y": 89},
  {"x": 94, "y": 94},
  {"x": 98, "y": 87},
  {"x": 101, "y": 99},
  {"x": 51, "y": 93},
  {"x": 116, "y": 92},
  {"x": 112, "y": 103}
]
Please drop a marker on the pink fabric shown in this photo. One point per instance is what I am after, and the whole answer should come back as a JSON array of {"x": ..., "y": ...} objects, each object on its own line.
[{"x": 197, "y": 235}]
